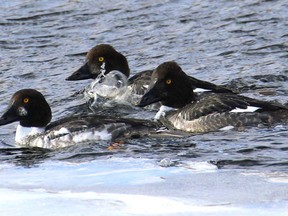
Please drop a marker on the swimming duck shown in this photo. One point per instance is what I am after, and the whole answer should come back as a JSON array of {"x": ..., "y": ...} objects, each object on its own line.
[
  {"x": 31, "y": 110},
  {"x": 104, "y": 62},
  {"x": 183, "y": 109}
]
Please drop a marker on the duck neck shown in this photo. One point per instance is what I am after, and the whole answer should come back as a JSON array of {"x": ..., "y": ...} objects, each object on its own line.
[
  {"x": 179, "y": 100},
  {"x": 23, "y": 132}
]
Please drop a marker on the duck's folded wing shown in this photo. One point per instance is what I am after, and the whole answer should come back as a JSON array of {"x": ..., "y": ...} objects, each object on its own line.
[
  {"x": 201, "y": 84},
  {"x": 140, "y": 82},
  {"x": 221, "y": 110},
  {"x": 214, "y": 103},
  {"x": 264, "y": 105},
  {"x": 219, "y": 103},
  {"x": 117, "y": 127}
]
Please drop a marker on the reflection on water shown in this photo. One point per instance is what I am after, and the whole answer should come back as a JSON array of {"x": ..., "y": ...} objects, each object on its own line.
[
  {"x": 239, "y": 43},
  {"x": 26, "y": 157}
]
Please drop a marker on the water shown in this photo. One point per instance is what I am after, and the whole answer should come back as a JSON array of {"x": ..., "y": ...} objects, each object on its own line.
[{"x": 239, "y": 43}]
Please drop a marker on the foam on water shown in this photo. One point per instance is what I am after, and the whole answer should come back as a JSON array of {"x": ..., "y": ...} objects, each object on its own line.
[{"x": 110, "y": 86}]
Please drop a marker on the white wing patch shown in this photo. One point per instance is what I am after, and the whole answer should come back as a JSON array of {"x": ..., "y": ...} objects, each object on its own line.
[
  {"x": 198, "y": 90},
  {"x": 248, "y": 109},
  {"x": 229, "y": 127},
  {"x": 62, "y": 131}
]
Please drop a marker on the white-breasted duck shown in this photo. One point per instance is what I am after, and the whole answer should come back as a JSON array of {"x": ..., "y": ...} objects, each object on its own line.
[{"x": 31, "y": 110}]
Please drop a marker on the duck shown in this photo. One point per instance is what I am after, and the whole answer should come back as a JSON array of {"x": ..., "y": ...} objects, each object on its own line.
[
  {"x": 30, "y": 109},
  {"x": 183, "y": 109},
  {"x": 104, "y": 62}
]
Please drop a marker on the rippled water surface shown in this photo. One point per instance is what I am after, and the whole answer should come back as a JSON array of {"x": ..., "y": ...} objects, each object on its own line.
[{"x": 239, "y": 43}]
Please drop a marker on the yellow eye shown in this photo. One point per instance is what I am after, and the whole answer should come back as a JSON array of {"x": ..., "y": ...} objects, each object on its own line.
[
  {"x": 168, "y": 81},
  {"x": 26, "y": 100},
  {"x": 101, "y": 59}
]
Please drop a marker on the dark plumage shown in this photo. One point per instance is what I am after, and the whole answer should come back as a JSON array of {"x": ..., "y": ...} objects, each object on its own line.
[
  {"x": 103, "y": 58},
  {"x": 205, "y": 112},
  {"x": 100, "y": 58},
  {"x": 32, "y": 111}
]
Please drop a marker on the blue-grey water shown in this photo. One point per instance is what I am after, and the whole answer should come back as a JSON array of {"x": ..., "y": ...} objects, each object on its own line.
[{"x": 242, "y": 44}]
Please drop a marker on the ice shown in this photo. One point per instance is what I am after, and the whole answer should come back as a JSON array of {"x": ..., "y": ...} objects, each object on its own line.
[{"x": 134, "y": 186}]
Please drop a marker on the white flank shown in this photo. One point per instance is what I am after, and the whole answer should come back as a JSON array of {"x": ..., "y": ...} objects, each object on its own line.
[
  {"x": 162, "y": 110},
  {"x": 91, "y": 135},
  {"x": 248, "y": 109},
  {"x": 66, "y": 138},
  {"x": 23, "y": 132}
]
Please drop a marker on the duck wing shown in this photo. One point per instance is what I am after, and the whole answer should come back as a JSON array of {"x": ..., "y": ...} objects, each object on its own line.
[
  {"x": 140, "y": 82},
  {"x": 220, "y": 103},
  {"x": 196, "y": 83}
]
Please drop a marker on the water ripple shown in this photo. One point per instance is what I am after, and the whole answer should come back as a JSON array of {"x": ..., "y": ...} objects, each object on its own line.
[{"x": 238, "y": 43}]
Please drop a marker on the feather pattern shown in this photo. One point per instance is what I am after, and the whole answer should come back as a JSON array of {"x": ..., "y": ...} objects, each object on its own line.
[{"x": 210, "y": 111}]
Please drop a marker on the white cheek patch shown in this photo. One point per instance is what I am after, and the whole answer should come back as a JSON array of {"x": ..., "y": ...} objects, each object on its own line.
[
  {"x": 248, "y": 109},
  {"x": 22, "y": 111}
]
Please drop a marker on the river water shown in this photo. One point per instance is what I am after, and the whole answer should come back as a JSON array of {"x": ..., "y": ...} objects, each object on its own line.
[{"x": 242, "y": 44}]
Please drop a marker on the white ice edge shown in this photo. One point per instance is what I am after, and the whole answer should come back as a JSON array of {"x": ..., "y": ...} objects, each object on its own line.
[
  {"x": 128, "y": 186},
  {"x": 45, "y": 202}
]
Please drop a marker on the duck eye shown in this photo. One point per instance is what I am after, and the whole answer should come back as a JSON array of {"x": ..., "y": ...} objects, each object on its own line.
[
  {"x": 101, "y": 59},
  {"x": 168, "y": 81},
  {"x": 26, "y": 100}
]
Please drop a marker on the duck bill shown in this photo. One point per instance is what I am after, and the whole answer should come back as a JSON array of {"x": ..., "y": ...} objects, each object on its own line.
[
  {"x": 81, "y": 74},
  {"x": 9, "y": 116},
  {"x": 152, "y": 96}
]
